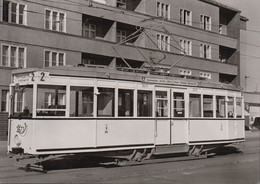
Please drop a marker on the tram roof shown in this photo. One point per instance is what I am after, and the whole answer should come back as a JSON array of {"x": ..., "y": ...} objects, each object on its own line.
[{"x": 137, "y": 75}]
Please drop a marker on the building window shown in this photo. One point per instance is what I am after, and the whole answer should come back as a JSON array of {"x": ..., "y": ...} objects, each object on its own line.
[
  {"x": 205, "y": 51},
  {"x": 163, "y": 10},
  {"x": 163, "y": 42},
  {"x": 53, "y": 58},
  {"x": 121, "y": 4},
  {"x": 55, "y": 21},
  {"x": 120, "y": 35},
  {"x": 14, "y": 12},
  {"x": 4, "y": 101},
  {"x": 13, "y": 56},
  {"x": 185, "y": 17},
  {"x": 89, "y": 30},
  {"x": 185, "y": 47},
  {"x": 205, "y": 22}
]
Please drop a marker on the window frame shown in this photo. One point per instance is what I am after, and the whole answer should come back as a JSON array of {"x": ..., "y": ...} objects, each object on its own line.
[
  {"x": 183, "y": 16},
  {"x": 163, "y": 42},
  {"x": 205, "y": 25},
  {"x": 6, "y": 101},
  {"x": 184, "y": 44},
  {"x": 51, "y": 52},
  {"x": 163, "y": 12},
  {"x": 17, "y": 13},
  {"x": 205, "y": 51},
  {"x": 58, "y": 23},
  {"x": 17, "y": 58}
]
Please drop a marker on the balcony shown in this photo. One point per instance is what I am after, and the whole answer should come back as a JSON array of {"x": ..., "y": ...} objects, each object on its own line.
[{"x": 95, "y": 28}]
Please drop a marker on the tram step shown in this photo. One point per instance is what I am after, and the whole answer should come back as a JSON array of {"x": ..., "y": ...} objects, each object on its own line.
[{"x": 169, "y": 149}]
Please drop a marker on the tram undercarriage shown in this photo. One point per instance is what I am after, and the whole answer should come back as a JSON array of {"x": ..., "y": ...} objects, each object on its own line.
[{"x": 118, "y": 158}]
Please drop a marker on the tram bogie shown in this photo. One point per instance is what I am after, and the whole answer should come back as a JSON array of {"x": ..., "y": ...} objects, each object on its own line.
[{"x": 65, "y": 110}]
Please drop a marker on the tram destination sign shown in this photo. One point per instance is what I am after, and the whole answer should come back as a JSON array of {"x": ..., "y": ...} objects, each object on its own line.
[
  {"x": 170, "y": 82},
  {"x": 30, "y": 77}
]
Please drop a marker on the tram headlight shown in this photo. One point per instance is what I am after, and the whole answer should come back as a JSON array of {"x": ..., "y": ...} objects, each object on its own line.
[{"x": 17, "y": 140}]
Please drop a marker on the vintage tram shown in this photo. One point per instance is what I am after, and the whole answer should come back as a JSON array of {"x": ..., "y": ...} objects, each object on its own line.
[{"x": 95, "y": 110}]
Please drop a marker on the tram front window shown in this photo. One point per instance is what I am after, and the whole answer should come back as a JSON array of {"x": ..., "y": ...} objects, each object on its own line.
[
  {"x": 81, "y": 101},
  {"x": 21, "y": 101},
  {"x": 51, "y": 100}
]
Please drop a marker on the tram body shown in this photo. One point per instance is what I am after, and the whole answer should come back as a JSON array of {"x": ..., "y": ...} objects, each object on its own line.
[{"x": 78, "y": 110}]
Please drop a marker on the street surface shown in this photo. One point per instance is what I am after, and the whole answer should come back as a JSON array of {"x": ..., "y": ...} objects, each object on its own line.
[{"x": 227, "y": 166}]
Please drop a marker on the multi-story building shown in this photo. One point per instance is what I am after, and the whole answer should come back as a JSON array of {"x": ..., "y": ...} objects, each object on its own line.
[{"x": 193, "y": 38}]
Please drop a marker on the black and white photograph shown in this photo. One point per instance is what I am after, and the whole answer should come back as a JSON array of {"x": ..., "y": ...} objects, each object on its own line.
[{"x": 130, "y": 91}]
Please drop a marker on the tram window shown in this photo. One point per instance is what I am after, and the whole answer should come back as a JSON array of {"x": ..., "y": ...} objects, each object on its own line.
[
  {"x": 195, "y": 105},
  {"x": 21, "y": 101},
  {"x": 220, "y": 110},
  {"x": 125, "y": 102},
  {"x": 207, "y": 106},
  {"x": 230, "y": 107},
  {"x": 239, "y": 107},
  {"x": 179, "y": 105},
  {"x": 161, "y": 104},
  {"x": 81, "y": 101},
  {"x": 144, "y": 103},
  {"x": 51, "y": 100},
  {"x": 105, "y": 102}
]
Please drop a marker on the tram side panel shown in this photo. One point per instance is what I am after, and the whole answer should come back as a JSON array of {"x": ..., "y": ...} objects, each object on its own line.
[
  {"x": 125, "y": 132},
  {"x": 64, "y": 134},
  {"x": 207, "y": 131},
  {"x": 236, "y": 129},
  {"x": 179, "y": 131}
]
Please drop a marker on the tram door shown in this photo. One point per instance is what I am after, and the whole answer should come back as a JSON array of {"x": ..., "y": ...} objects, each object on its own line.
[
  {"x": 178, "y": 124},
  {"x": 162, "y": 124}
]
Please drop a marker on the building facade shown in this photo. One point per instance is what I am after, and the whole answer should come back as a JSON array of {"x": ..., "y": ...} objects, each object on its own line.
[{"x": 193, "y": 38}]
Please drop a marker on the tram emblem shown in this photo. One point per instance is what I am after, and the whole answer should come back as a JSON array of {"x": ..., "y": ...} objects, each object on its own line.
[{"x": 21, "y": 129}]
